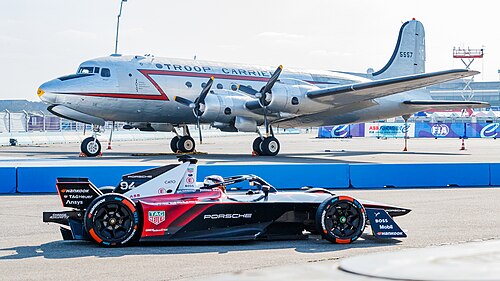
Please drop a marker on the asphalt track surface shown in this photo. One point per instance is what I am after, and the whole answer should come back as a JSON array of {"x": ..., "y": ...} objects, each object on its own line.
[
  {"x": 32, "y": 250},
  {"x": 300, "y": 148}
]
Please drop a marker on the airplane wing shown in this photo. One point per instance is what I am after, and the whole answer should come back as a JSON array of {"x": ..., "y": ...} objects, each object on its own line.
[
  {"x": 445, "y": 104},
  {"x": 352, "y": 93}
]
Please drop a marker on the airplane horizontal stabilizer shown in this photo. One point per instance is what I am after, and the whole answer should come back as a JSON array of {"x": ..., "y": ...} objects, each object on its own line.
[
  {"x": 445, "y": 104},
  {"x": 352, "y": 93}
]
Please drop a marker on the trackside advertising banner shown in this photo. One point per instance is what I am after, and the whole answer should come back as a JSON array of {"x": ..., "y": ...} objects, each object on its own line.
[
  {"x": 342, "y": 131},
  {"x": 389, "y": 130},
  {"x": 456, "y": 130},
  {"x": 415, "y": 130}
]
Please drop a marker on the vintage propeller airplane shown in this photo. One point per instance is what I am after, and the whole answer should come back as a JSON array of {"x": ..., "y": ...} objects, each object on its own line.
[{"x": 161, "y": 94}]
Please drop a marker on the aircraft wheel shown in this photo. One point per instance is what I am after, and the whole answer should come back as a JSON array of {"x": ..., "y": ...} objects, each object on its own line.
[
  {"x": 112, "y": 220},
  {"x": 270, "y": 146},
  {"x": 340, "y": 219},
  {"x": 186, "y": 144},
  {"x": 91, "y": 147},
  {"x": 173, "y": 143},
  {"x": 256, "y": 145}
]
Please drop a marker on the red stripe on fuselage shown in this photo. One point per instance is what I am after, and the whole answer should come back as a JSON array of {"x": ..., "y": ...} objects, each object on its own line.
[{"x": 163, "y": 96}]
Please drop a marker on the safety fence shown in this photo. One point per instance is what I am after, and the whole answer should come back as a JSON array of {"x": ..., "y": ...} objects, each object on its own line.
[
  {"x": 412, "y": 130},
  {"x": 41, "y": 179}
]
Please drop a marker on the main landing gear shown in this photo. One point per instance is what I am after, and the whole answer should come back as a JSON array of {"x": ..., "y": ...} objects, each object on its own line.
[
  {"x": 91, "y": 147},
  {"x": 182, "y": 144},
  {"x": 266, "y": 146}
]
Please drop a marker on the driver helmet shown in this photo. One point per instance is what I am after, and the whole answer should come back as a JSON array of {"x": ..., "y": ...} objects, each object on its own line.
[{"x": 214, "y": 180}]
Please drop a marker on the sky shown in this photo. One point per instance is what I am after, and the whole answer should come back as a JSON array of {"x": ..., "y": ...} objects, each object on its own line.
[{"x": 42, "y": 40}]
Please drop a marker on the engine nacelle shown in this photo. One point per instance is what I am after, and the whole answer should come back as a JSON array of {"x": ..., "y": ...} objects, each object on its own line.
[
  {"x": 289, "y": 95},
  {"x": 225, "y": 108},
  {"x": 149, "y": 127}
]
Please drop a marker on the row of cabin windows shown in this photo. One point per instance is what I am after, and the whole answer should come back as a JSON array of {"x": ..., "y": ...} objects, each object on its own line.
[
  {"x": 105, "y": 72},
  {"x": 219, "y": 86}
]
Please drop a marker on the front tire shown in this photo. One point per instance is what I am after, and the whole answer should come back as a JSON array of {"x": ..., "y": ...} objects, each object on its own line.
[
  {"x": 112, "y": 220},
  {"x": 186, "y": 144},
  {"x": 340, "y": 219},
  {"x": 91, "y": 147},
  {"x": 270, "y": 146}
]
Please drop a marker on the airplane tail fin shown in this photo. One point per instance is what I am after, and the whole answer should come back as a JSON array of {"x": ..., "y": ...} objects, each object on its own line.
[{"x": 409, "y": 55}]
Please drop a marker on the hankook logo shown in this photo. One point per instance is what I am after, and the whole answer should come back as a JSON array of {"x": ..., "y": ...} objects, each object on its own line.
[{"x": 227, "y": 216}]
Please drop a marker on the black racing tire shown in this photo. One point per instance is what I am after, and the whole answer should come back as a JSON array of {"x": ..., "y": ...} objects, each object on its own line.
[
  {"x": 256, "y": 145},
  {"x": 270, "y": 146},
  {"x": 91, "y": 147},
  {"x": 186, "y": 144},
  {"x": 112, "y": 220},
  {"x": 340, "y": 219},
  {"x": 107, "y": 189},
  {"x": 173, "y": 144}
]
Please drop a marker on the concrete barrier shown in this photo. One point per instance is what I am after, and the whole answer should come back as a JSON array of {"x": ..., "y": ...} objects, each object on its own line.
[
  {"x": 284, "y": 176},
  {"x": 495, "y": 174},
  {"x": 43, "y": 179},
  {"x": 419, "y": 175},
  {"x": 9, "y": 180}
]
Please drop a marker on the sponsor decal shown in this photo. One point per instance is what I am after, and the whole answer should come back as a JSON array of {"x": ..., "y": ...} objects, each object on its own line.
[
  {"x": 156, "y": 230},
  {"x": 162, "y": 190},
  {"x": 170, "y": 181},
  {"x": 440, "y": 130},
  {"x": 140, "y": 176},
  {"x": 381, "y": 221},
  {"x": 156, "y": 217},
  {"x": 75, "y": 191},
  {"x": 190, "y": 170},
  {"x": 227, "y": 216},
  {"x": 74, "y": 202},
  {"x": 135, "y": 195},
  {"x": 340, "y": 131},
  {"x": 56, "y": 216},
  {"x": 190, "y": 180},
  {"x": 490, "y": 130},
  {"x": 390, "y": 233}
]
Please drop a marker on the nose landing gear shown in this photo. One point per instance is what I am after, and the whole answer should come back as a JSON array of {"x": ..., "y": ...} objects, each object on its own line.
[{"x": 91, "y": 147}]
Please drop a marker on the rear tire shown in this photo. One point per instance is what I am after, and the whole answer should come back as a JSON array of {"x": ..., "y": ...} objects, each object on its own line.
[
  {"x": 112, "y": 220},
  {"x": 340, "y": 219},
  {"x": 173, "y": 144},
  {"x": 91, "y": 147},
  {"x": 186, "y": 144},
  {"x": 270, "y": 146}
]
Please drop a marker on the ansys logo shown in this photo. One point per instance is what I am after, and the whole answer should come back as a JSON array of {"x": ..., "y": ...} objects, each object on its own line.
[{"x": 156, "y": 217}]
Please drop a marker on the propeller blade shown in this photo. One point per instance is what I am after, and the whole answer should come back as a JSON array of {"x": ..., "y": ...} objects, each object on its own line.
[
  {"x": 204, "y": 92},
  {"x": 183, "y": 101},
  {"x": 199, "y": 128},
  {"x": 247, "y": 90},
  {"x": 267, "y": 88}
]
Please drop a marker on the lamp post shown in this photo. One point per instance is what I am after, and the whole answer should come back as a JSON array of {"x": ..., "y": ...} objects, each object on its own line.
[{"x": 118, "y": 25}]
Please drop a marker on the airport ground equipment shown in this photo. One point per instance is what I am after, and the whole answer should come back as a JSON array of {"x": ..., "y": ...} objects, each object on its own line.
[{"x": 167, "y": 204}]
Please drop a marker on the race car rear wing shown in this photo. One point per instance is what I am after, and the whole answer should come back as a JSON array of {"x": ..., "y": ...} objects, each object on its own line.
[{"x": 76, "y": 193}]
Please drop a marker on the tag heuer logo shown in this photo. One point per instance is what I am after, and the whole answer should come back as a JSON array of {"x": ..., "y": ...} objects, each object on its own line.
[{"x": 156, "y": 217}]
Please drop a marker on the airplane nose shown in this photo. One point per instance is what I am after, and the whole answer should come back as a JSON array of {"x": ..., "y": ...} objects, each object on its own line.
[{"x": 44, "y": 93}]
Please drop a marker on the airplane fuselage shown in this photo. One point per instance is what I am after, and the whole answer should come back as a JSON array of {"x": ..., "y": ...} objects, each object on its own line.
[{"x": 142, "y": 89}]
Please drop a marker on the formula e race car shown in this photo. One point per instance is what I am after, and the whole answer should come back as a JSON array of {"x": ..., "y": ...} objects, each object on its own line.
[{"x": 167, "y": 204}]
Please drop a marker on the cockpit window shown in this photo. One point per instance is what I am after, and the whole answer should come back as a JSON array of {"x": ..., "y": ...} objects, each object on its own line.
[
  {"x": 105, "y": 72},
  {"x": 88, "y": 70},
  {"x": 74, "y": 76}
]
